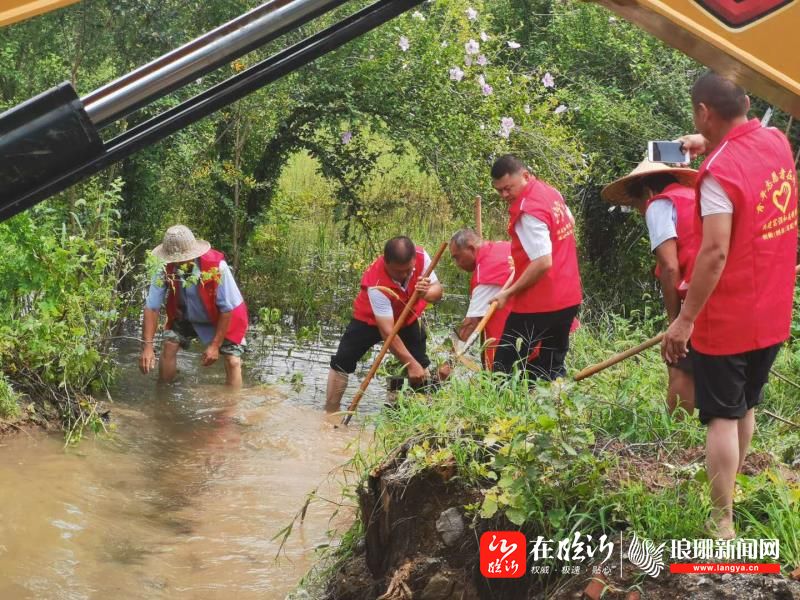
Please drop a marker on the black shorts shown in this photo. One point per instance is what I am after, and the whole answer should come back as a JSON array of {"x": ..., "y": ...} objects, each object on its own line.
[
  {"x": 522, "y": 333},
  {"x": 728, "y": 386},
  {"x": 359, "y": 337}
]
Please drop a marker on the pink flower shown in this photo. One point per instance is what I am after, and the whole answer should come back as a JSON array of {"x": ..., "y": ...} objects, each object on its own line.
[
  {"x": 472, "y": 14},
  {"x": 472, "y": 47},
  {"x": 487, "y": 89},
  {"x": 467, "y": 60},
  {"x": 403, "y": 43},
  {"x": 513, "y": 45},
  {"x": 548, "y": 81},
  {"x": 456, "y": 74},
  {"x": 482, "y": 60},
  {"x": 484, "y": 36},
  {"x": 506, "y": 126},
  {"x": 560, "y": 109},
  {"x": 347, "y": 136}
]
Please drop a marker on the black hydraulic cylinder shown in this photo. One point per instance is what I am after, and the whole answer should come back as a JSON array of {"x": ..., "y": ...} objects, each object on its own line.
[
  {"x": 44, "y": 137},
  {"x": 205, "y": 103}
]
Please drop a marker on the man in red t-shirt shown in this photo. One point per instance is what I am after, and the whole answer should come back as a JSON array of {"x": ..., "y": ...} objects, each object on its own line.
[
  {"x": 546, "y": 292},
  {"x": 386, "y": 286},
  {"x": 738, "y": 308},
  {"x": 490, "y": 265}
]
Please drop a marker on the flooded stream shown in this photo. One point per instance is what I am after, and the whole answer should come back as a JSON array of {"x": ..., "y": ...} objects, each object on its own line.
[{"x": 183, "y": 500}]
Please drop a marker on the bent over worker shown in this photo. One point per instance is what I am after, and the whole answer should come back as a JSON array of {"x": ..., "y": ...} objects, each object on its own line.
[
  {"x": 386, "y": 287},
  {"x": 665, "y": 197},
  {"x": 546, "y": 293},
  {"x": 490, "y": 265},
  {"x": 738, "y": 310},
  {"x": 202, "y": 301}
]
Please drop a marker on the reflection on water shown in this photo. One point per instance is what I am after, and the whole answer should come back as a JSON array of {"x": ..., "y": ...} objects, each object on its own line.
[{"x": 184, "y": 500}]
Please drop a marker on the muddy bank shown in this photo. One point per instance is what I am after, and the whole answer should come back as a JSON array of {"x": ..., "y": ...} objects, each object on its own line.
[{"x": 419, "y": 542}]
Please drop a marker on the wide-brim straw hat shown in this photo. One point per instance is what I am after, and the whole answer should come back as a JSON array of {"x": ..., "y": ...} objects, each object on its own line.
[
  {"x": 180, "y": 245},
  {"x": 618, "y": 191}
]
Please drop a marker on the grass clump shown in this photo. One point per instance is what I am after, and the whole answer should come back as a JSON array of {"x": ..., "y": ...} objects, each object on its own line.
[{"x": 9, "y": 406}]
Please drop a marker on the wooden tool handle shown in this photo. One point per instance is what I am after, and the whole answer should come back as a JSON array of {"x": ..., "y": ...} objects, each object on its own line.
[{"x": 617, "y": 358}]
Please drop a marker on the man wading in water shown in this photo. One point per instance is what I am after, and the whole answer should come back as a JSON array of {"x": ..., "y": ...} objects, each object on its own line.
[
  {"x": 202, "y": 301},
  {"x": 386, "y": 286}
]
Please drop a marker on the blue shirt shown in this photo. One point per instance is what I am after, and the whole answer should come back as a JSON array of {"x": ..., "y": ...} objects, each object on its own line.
[{"x": 228, "y": 298}]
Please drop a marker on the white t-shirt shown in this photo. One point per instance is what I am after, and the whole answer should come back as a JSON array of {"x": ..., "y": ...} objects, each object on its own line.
[
  {"x": 662, "y": 222},
  {"x": 481, "y": 296},
  {"x": 713, "y": 199},
  {"x": 380, "y": 303}
]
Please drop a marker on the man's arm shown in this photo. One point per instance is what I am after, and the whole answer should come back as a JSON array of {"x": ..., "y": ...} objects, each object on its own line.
[
  {"x": 466, "y": 328},
  {"x": 669, "y": 277},
  {"x": 415, "y": 371},
  {"x": 147, "y": 360},
  {"x": 155, "y": 298},
  {"x": 532, "y": 273},
  {"x": 211, "y": 353},
  {"x": 707, "y": 270}
]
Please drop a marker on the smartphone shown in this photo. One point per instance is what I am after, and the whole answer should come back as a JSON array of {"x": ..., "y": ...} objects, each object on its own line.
[{"x": 667, "y": 152}]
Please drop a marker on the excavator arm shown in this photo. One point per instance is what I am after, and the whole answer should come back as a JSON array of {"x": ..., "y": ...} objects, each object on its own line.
[{"x": 54, "y": 140}]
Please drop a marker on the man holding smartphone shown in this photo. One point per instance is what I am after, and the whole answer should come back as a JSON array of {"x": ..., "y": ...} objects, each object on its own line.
[
  {"x": 738, "y": 308},
  {"x": 546, "y": 291},
  {"x": 665, "y": 197}
]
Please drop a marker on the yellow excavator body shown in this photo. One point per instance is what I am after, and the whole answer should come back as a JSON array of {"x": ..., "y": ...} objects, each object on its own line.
[{"x": 749, "y": 41}]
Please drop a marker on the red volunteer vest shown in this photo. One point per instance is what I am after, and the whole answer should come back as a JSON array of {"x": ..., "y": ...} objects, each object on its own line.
[
  {"x": 492, "y": 268},
  {"x": 376, "y": 275},
  {"x": 684, "y": 199},
  {"x": 751, "y": 307},
  {"x": 560, "y": 287},
  {"x": 207, "y": 288}
]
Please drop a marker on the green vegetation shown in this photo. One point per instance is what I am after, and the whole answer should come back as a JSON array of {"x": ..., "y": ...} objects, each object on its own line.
[
  {"x": 598, "y": 456},
  {"x": 60, "y": 269}
]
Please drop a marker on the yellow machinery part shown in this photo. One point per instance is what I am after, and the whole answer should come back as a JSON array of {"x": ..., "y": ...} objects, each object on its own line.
[
  {"x": 12, "y": 11},
  {"x": 753, "y": 42}
]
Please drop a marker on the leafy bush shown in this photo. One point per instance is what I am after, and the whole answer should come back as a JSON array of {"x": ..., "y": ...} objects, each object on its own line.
[{"x": 59, "y": 270}]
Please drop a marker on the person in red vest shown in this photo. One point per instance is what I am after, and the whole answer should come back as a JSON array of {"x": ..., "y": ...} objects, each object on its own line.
[
  {"x": 490, "y": 265},
  {"x": 738, "y": 309},
  {"x": 202, "y": 301},
  {"x": 546, "y": 293},
  {"x": 665, "y": 197},
  {"x": 386, "y": 286}
]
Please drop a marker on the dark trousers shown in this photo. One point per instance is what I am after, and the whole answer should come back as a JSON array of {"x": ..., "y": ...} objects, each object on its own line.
[
  {"x": 524, "y": 331},
  {"x": 359, "y": 337}
]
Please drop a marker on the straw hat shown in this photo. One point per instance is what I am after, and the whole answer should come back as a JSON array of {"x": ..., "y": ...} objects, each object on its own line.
[
  {"x": 180, "y": 245},
  {"x": 617, "y": 192}
]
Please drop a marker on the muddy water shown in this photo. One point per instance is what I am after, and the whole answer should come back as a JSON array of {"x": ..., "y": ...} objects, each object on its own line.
[{"x": 184, "y": 499}]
